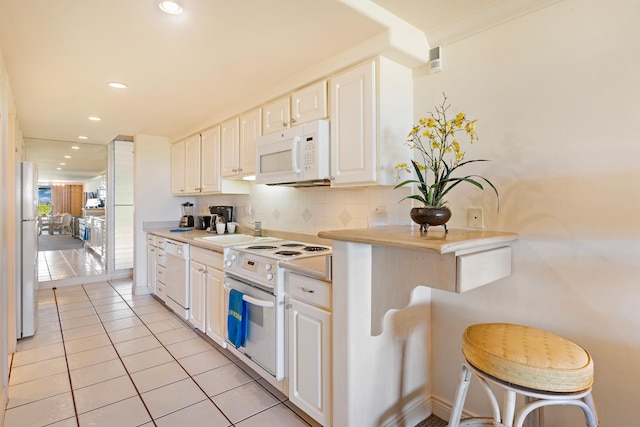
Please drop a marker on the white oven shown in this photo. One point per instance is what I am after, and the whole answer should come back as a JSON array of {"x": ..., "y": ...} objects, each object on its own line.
[
  {"x": 262, "y": 344},
  {"x": 254, "y": 271},
  {"x": 298, "y": 156}
]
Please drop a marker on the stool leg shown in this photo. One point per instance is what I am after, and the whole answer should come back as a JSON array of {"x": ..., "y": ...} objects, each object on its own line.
[
  {"x": 461, "y": 394},
  {"x": 592, "y": 418},
  {"x": 536, "y": 418},
  {"x": 509, "y": 407}
]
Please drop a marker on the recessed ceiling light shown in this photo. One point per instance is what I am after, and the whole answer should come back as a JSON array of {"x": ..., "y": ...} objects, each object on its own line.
[
  {"x": 95, "y": 118},
  {"x": 117, "y": 85},
  {"x": 67, "y": 157},
  {"x": 81, "y": 137},
  {"x": 58, "y": 169},
  {"x": 170, "y": 7},
  {"x": 75, "y": 147},
  {"x": 62, "y": 164}
]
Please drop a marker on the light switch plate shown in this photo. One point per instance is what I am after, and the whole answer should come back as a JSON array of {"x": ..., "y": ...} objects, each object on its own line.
[{"x": 474, "y": 218}]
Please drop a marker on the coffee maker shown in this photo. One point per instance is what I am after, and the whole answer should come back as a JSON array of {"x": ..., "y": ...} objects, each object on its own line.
[
  {"x": 187, "y": 215},
  {"x": 220, "y": 214}
]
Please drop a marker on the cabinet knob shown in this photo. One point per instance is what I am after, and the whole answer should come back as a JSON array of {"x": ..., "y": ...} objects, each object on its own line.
[
  {"x": 284, "y": 124},
  {"x": 288, "y": 306},
  {"x": 292, "y": 120}
]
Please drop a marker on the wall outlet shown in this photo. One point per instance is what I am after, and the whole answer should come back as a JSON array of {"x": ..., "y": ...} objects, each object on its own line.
[{"x": 474, "y": 218}]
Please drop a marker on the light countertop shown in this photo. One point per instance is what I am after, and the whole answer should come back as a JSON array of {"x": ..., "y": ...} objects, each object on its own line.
[{"x": 410, "y": 237}]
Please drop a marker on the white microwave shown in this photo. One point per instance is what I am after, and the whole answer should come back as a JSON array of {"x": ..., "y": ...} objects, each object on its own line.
[{"x": 298, "y": 156}]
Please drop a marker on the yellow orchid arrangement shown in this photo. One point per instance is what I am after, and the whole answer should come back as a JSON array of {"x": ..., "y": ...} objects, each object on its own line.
[{"x": 436, "y": 139}]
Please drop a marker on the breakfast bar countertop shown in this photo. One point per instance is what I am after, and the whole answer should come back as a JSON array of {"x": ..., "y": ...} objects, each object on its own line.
[{"x": 410, "y": 237}]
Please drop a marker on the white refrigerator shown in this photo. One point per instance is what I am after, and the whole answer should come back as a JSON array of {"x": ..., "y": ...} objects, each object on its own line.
[{"x": 27, "y": 259}]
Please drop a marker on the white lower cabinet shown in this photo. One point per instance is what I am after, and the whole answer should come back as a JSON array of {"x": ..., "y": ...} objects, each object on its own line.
[
  {"x": 197, "y": 278},
  {"x": 161, "y": 263},
  {"x": 151, "y": 268},
  {"x": 309, "y": 323},
  {"x": 207, "y": 293},
  {"x": 215, "y": 324}
]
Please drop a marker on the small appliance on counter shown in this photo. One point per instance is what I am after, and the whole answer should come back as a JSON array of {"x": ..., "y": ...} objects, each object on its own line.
[
  {"x": 187, "y": 215},
  {"x": 220, "y": 215},
  {"x": 225, "y": 212},
  {"x": 202, "y": 222}
]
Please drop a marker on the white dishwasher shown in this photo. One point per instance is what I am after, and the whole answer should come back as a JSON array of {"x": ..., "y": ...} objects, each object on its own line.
[{"x": 177, "y": 277}]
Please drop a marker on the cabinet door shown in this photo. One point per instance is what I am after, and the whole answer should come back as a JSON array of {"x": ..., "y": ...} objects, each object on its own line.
[
  {"x": 229, "y": 147},
  {"x": 192, "y": 164},
  {"x": 151, "y": 269},
  {"x": 309, "y": 360},
  {"x": 309, "y": 103},
  {"x": 210, "y": 160},
  {"x": 177, "y": 168},
  {"x": 276, "y": 115},
  {"x": 197, "y": 277},
  {"x": 353, "y": 126},
  {"x": 250, "y": 129},
  {"x": 215, "y": 317}
]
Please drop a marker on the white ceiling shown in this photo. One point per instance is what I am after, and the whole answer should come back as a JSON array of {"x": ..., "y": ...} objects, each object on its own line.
[{"x": 185, "y": 71}]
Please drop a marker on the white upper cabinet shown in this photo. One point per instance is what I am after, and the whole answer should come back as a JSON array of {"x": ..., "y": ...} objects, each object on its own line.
[
  {"x": 309, "y": 103},
  {"x": 302, "y": 106},
  {"x": 195, "y": 166},
  {"x": 250, "y": 129},
  {"x": 230, "y": 147},
  {"x": 276, "y": 115},
  {"x": 177, "y": 168},
  {"x": 238, "y": 139},
  {"x": 192, "y": 164},
  {"x": 371, "y": 115},
  {"x": 210, "y": 152}
]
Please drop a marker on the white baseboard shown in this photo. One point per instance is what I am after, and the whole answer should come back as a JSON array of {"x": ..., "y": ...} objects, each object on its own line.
[
  {"x": 412, "y": 413},
  {"x": 442, "y": 409}
]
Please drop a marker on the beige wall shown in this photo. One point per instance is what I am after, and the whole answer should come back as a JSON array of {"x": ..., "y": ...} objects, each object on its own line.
[{"x": 557, "y": 96}]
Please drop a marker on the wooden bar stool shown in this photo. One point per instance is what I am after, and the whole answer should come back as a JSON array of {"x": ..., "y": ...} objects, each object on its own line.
[{"x": 544, "y": 368}]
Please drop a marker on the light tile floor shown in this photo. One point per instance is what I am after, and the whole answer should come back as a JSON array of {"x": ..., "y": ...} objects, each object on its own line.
[
  {"x": 104, "y": 357},
  {"x": 68, "y": 264}
]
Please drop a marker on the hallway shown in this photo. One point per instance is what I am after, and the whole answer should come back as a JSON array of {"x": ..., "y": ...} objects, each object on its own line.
[
  {"x": 69, "y": 264},
  {"x": 104, "y": 357}
]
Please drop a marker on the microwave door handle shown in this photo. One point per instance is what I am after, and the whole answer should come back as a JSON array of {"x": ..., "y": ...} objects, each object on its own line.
[
  {"x": 258, "y": 302},
  {"x": 294, "y": 154}
]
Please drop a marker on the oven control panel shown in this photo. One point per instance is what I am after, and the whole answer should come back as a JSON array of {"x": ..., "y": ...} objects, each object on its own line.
[{"x": 254, "y": 267}]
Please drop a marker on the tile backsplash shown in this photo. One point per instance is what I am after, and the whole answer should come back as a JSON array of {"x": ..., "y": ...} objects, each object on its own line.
[{"x": 310, "y": 210}]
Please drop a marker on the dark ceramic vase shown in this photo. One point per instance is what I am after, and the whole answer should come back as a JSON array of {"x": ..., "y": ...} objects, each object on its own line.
[{"x": 431, "y": 215}]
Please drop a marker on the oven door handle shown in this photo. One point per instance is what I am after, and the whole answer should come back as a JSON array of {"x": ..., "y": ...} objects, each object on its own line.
[{"x": 258, "y": 302}]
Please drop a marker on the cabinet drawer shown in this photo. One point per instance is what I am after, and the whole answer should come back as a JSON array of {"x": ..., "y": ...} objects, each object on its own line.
[
  {"x": 161, "y": 257},
  {"x": 151, "y": 239},
  {"x": 307, "y": 289},
  {"x": 161, "y": 290},
  {"x": 161, "y": 273},
  {"x": 480, "y": 268},
  {"x": 207, "y": 257},
  {"x": 161, "y": 242}
]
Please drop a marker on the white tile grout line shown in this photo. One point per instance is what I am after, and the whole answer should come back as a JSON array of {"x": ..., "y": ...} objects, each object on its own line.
[
  {"x": 164, "y": 347},
  {"x": 66, "y": 360},
  {"x": 214, "y": 346}
]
